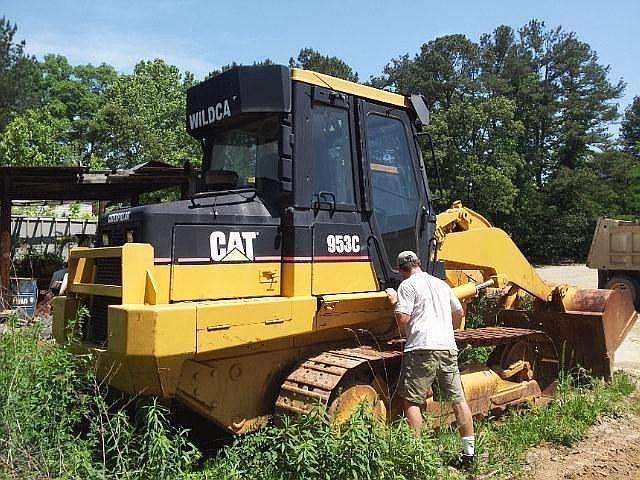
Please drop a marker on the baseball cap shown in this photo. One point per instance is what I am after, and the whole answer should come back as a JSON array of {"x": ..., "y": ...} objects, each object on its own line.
[{"x": 406, "y": 257}]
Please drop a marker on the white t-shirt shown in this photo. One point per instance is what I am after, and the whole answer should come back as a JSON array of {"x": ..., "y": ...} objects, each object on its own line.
[{"x": 429, "y": 301}]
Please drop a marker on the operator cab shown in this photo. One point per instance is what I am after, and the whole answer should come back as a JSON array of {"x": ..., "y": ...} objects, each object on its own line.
[
  {"x": 340, "y": 158},
  {"x": 298, "y": 168}
]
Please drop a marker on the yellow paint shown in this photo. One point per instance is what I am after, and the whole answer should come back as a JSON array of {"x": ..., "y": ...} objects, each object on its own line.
[
  {"x": 96, "y": 289},
  {"x": 220, "y": 280},
  {"x": 296, "y": 279},
  {"x": 351, "y": 88},
  {"x": 162, "y": 277},
  {"x": 137, "y": 258},
  {"x": 151, "y": 290},
  {"x": 80, "y": 270},
  {"x": 343, "y": 277},
  {"x": 459, "y": 218},
  {"x": 493, "y": 252},
  {"x": 229, "y": 323},
  {"x": 459, "y": 277},
  {"x": 338, "y": 311},
  {"x": 147, "y": 346},
  {"x": 152, "y": 330},
  {"x": 232, "y": 391}
]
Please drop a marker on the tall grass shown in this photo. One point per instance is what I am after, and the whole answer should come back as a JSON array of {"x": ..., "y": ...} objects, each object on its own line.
[
  {"x": 309, "y": 448},
  {"x": 57, "y": 421}
]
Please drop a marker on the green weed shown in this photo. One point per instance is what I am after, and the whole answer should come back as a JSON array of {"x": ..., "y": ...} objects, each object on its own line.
[
  {"x": 308, "y": 447},
  {"x": 58, "y": 421}
]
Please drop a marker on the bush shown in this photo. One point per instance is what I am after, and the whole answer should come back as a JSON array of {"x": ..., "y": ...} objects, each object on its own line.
[
  {"x": 310, "y": 448},
  {"x": 56, "y": 421}
]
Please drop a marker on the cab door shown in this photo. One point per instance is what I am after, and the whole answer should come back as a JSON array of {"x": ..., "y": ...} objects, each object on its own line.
[
  {"x": 397, "y": 194},
  {"x": 340, "y": 259}
]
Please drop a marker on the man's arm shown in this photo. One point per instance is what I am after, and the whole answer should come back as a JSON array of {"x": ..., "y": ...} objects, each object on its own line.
[
  {"x": 403, "y": 320},
  {"x": 458, "y": 317},
  {"x": 457, "y": 312},
  {"x": 403, "y": 305}
]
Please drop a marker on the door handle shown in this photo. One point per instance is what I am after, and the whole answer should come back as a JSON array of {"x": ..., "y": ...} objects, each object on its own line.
[{"x": 321, "y": 198}]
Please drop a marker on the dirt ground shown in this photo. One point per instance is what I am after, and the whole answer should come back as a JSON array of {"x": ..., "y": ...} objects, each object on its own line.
[{"x": 612, "y": 448}]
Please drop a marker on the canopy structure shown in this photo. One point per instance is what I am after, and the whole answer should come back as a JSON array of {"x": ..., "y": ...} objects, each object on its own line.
[{"x": 77, "y": 184}]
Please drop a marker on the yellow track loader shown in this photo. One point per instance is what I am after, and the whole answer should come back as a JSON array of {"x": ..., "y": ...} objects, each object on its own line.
[{"x": 264, "y": 291}]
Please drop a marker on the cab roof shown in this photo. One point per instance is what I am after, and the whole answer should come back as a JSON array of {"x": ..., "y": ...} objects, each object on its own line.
[{"x": 351, "y": 88}]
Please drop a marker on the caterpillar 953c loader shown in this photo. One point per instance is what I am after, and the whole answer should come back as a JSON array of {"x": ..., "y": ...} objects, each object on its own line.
[{"x": 264, "y": 292}]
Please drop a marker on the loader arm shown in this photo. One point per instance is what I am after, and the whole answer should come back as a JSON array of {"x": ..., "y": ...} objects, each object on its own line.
[
  {"x": 588, "y": 325},
  {"x": 492, "y": 251},
  {"x": 467, "y": 241}
]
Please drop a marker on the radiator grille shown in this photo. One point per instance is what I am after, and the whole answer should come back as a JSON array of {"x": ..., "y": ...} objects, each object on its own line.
[
  {"x": 109, "y": 271},
  {"x": 97, "y": 327},
  {"x": 117, "y": 237}
]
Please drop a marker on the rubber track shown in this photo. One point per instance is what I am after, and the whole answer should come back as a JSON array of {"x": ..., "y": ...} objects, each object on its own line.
[{"x": 313, "y": 382}]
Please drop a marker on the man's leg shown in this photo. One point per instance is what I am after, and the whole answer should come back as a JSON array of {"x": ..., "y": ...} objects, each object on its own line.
[
  {"x": 413, "y": 412},
  {"x": 416, "y": 376},
  {"x": 463, "y": 418},
  {"x": 449, "y": 380}
]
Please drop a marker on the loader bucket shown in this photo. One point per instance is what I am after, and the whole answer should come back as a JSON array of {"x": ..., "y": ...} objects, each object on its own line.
[{"x": 586, "y": 325}]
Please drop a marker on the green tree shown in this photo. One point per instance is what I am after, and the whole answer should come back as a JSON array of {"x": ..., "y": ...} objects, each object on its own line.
[
  {"x": 475, "y": 135},
  {"x": 76, "y": 93},
  {"x": 19, "y": 75},
  {"x": 563, "y": 95},
  {"x": 310, "y": 59},
  {"x": 143, "y": 118},
  {"x": 445, "y": 70},
  {"x": 35, "y": 137},
  {"x": 476, "y": 144},
  {"x": 630, "y": 130},
  {"x": 229, "y": 66}
]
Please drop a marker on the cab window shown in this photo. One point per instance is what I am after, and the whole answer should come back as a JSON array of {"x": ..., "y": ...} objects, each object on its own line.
[
  {"x": 245, "y": 156},
  {"x": 332, "y": 155},
  {"x": 393, "y": 183}
]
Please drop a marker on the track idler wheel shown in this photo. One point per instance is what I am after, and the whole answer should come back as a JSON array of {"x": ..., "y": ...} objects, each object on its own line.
[{"x": 351, "y": 399}]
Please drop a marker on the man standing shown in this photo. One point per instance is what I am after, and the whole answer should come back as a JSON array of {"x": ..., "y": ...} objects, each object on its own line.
[{"x": 425, "y": 308}]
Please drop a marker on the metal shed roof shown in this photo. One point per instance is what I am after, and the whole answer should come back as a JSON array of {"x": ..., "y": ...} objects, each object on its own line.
[{"x": 81, "y": 183}]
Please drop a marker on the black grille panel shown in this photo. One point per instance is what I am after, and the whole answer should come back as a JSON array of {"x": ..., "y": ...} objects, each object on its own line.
[
  {"x": 97, "y": 327},
  {"x": 109, "y": 271},
  {"x": 117, "y": 237}
]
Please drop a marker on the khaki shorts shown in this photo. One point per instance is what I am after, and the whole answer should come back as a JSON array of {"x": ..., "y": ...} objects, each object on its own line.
[{"x": 419, "y": 370}]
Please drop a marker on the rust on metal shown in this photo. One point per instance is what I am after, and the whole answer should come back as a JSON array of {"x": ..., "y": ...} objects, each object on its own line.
[{"x": 318, "y": 379}]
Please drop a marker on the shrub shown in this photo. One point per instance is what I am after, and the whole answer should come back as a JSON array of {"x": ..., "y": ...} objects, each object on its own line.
[
  {"x": 309, "y": 447},
  {"x": 56, "y": 420}
]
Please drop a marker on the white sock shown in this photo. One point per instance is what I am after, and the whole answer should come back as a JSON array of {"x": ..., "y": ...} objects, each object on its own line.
[{"x": 468, "y": 445}]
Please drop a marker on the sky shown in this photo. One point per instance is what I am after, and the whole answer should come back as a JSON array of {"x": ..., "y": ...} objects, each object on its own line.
[{"x": 200, "y": 36}]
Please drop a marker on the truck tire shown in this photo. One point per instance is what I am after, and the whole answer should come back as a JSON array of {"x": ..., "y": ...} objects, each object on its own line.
[{"x": 625, "y": 282}]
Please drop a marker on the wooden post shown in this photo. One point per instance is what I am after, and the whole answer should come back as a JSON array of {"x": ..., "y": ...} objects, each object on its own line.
[{"x": 5, "y": 243}]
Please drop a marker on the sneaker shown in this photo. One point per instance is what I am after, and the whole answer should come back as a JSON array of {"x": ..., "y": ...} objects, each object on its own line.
[{"x": 467, "y": 461}]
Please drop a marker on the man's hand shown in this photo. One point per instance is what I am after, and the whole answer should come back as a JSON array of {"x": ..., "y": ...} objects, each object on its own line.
[{"x": 392, "y": 295}]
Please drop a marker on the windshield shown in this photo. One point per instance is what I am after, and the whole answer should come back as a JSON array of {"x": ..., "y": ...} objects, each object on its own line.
[{"x": 246, "y": 156}]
